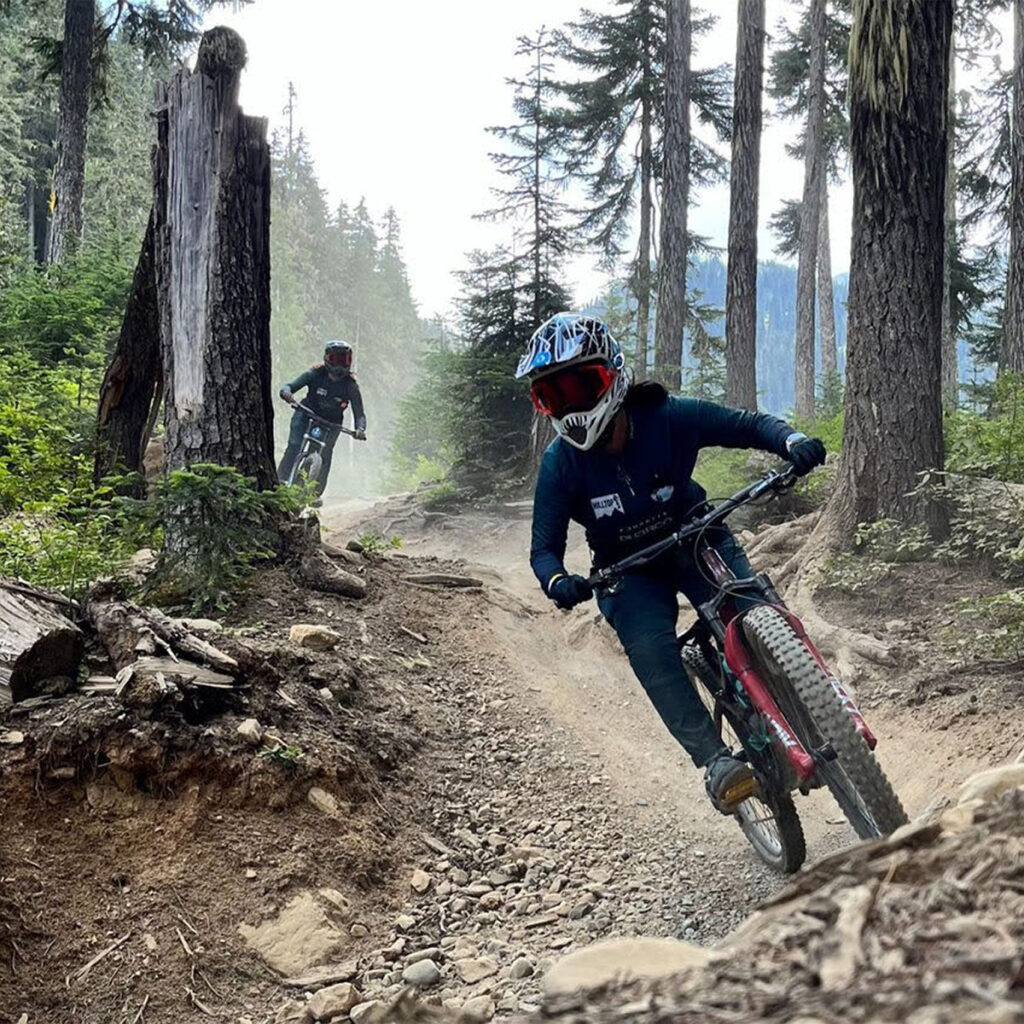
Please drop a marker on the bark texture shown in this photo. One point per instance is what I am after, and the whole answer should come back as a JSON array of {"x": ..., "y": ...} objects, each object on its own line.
[
  {"x": 72, "y": 129},
  {"x": 675, "y": 198},
  {"x": 37, "y": 642},
  {"x": 809, "y": 210},
  {"x": 741, "y": 273},
  {"x": 1013, "y": 349},
  {"x": 642, "y": 271},
  {"x": 826, "y": 291},
  {"x": 212, "y": 200},
  {"x": 899, "y": 64},
  {"x": 950, "y": 365},
  {"x": 132, "y": 384}
]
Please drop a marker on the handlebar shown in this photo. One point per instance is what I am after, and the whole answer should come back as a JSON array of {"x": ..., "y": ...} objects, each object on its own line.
[
  {"x": 774, "y": 481},
  {"x": 319, "y": 419}
]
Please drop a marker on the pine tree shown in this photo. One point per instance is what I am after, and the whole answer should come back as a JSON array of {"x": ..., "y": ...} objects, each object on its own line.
[
  {"x": 1013, "y": 320},
  {"x": 530, "y": 197},
  {"x": 790, "y": 86},
  {"x": 741, "y": 286},
  {"x": 619, "y": 97},
  {"x": 671, "y": 322},
  {"x": 160, "y": 31},
  {"x": 810, "y": 212},
  {"x": 899, "y": 67}
]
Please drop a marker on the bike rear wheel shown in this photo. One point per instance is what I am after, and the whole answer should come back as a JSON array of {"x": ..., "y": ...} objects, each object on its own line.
[
  {"x": 814, "y": 709},
  {"x": 769, "y": 821}
]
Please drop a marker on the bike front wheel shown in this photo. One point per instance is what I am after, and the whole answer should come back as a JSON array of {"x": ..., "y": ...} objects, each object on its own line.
[
  {"x": 769, "y": 820},
  {"x": 815, "y": 711},
  {"x": 307, "y": 470}
]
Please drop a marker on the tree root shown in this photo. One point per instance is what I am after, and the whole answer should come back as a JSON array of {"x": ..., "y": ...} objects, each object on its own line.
[{"x": 793, "y": 553}]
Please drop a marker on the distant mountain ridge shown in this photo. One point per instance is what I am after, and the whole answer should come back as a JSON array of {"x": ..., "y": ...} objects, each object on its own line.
[{"x": 776, "y": 324}]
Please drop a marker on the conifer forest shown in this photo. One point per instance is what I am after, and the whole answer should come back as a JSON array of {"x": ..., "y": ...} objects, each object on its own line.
[{"x": 288, "y": 729}]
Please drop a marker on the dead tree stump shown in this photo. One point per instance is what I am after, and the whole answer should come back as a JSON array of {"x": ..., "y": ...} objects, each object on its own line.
[
  {"x": 131, "y": 388},
  {"x": 212, "y": 260}
]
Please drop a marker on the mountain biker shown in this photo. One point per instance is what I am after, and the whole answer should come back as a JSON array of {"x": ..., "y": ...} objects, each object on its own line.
[
  {"x": 621, "y": 466},
  {"x": 332, "y": 388}
]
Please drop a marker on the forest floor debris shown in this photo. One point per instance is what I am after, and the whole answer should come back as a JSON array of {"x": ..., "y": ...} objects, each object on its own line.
[{"x": 416, "y": 798}]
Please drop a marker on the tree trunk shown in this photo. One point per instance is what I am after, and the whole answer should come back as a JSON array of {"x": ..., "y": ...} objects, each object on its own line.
[
  {"x": 133, "y": 380},
  {"x": 1013, "y": 346},
  {"x": 212, "y": 202},
  {"x": 642, "y": 271},
  {"x": 741, "y": 271},
  {"x": 826, "y": 291},
  {"x": 893, "y": 410},
  {"x": 675, "y": 197},
  {"x": 809, "y": 211},
  {"x": 72, "y": 129},
  {"x": 950, "y": 361},
  {"x": 38, "y": 641}
]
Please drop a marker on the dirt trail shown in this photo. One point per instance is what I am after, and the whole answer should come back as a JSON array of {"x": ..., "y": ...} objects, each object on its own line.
[
  {"x": 469, "y": 786},
  {"x": 572, "y": 666}
]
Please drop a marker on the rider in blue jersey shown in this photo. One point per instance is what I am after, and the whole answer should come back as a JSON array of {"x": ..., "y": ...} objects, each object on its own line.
[{"x": 622, "y": 466}]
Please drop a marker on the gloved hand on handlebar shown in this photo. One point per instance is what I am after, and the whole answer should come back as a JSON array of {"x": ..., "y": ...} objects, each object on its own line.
[
  {"x": 569, "y": 591},
  {"x": 804, "y": 453},
  {"x": 359, "y": 435},
  {"x": 286, "y": 394}
]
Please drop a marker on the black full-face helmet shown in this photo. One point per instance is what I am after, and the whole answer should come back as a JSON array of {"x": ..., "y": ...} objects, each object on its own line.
[{"x": 338, "y": 356}]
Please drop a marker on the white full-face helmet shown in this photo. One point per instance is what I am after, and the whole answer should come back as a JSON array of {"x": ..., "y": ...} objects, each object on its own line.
[{"x": 577, "y": 374}]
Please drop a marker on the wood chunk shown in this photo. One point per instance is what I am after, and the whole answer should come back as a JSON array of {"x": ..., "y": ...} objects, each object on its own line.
[
  {"x": 182, "y": 673},
  {"x": 37, "y": 641}
]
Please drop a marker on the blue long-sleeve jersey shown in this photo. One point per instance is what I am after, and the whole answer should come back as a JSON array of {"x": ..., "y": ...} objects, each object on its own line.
[{"x": 629, "y": 500}]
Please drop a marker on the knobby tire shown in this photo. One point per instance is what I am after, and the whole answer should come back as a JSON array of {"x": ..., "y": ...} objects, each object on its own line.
[{"x": 808, "y": 699}]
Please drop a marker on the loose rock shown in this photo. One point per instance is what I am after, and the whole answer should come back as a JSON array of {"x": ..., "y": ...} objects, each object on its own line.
[
  {"x": 422, "y": 974},
  {"x": 315, "y": 638}
]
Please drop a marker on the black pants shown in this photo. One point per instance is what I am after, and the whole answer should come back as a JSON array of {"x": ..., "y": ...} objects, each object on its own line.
[
  {"x": 643, "y": 611},
  {"x": 291, "y": 452}
]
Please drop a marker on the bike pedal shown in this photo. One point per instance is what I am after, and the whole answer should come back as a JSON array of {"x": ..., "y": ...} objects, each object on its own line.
[{"x": 735, "y": 795}]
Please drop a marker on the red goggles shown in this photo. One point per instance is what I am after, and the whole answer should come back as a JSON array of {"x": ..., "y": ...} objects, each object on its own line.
[
  {"x": 574, "y": 389},
  {"x": 338, "y": 357}
]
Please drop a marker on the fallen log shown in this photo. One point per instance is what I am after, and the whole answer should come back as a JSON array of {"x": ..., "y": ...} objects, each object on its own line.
[
  {"x": 129, "y": 632},
  {"x": 37, "y": 641},
  {"x": 441, "y": 579}
]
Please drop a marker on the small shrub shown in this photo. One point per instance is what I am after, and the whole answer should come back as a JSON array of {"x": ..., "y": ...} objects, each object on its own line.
[
  {"x": 849, "y": 573},
  {"x": 377, "y": 543},
  {"x": 444, "y": 493},
  {"x": 67, "y": 542},
  {"x": 1001, "y": 636},
  {"x": 990, "y": 445},
  {"x": 215, "y": 526}
]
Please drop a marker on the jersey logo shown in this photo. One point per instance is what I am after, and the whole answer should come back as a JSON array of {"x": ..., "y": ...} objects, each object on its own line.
[
  {"x": 607, "y": 505},
  {"x": 322, "y": 391}
]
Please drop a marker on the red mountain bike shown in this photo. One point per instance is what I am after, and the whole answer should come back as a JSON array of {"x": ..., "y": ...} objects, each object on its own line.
[{"x": 771, "y": 694}]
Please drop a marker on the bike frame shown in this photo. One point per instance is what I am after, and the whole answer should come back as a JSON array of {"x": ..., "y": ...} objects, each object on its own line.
[
  {"x": 720, "y": 620},
  {"x": 309, "y": 438}
]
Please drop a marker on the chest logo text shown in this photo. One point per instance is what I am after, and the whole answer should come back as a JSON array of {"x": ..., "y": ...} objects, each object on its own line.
[{"x": 607, "y": 505}]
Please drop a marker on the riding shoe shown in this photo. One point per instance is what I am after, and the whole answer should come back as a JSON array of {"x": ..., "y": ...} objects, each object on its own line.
[{"x": 729, "y": 781}]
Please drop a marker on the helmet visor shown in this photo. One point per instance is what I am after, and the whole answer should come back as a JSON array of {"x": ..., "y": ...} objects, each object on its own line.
[
  {"x": 340, "y": 358},
  {"x": 574, "y": 389}
]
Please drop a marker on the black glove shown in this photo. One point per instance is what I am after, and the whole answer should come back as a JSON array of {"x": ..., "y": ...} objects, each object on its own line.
[
  {"x": 286, "y": 394},
  {"x": 360, "y": 434},
  {"x": 804, "y": 453},
  {"x": 569, "y": 591}
]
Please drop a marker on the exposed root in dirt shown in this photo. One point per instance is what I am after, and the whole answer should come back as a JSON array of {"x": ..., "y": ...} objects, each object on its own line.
[{"x": 793, "y": 552}]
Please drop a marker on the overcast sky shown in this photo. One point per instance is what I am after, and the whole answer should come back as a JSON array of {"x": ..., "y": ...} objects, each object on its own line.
[{"x": 394, "y": 98}]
